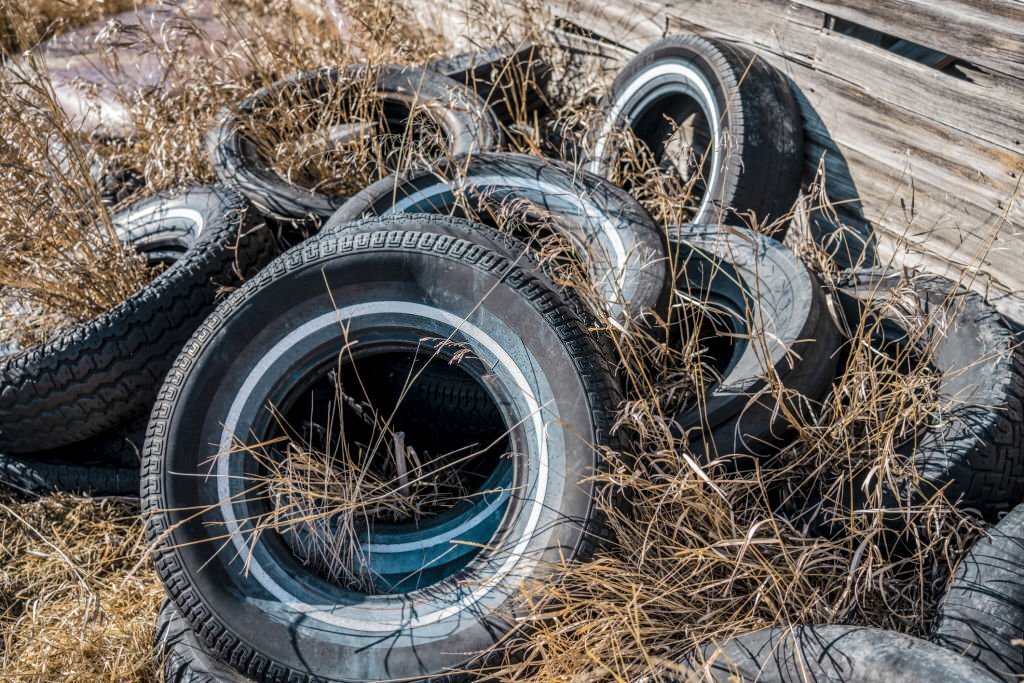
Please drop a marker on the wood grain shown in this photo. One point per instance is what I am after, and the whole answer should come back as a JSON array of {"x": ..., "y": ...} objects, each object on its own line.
[{"x": 932, "y": 160}]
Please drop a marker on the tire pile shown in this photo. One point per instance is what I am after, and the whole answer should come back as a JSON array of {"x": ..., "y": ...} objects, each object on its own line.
[{"x": 403, "y": 302}]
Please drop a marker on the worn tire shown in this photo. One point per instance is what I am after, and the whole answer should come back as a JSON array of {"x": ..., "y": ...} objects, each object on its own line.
[
  {"x": 974, "y": 450},
  {"x": 755, "y": 161},
  {"x": 759, "y": 287},
  {"x": 464, "y": 117},
  {"x": 41, "y": 477},
  {"x": 623, "y": 248},
  {"x": 510, "y": 77},
  {"x": 88, "y": 379},
  {"x": 983, "y": 613},
  {"x": 418, "y": 276},
  {"x": 435, "y": 398},
  {"x": 180, "y": 655},
  {"x": 844, "y": 654}
]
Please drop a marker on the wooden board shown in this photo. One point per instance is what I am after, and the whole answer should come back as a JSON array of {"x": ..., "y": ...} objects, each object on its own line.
[{"x": 932, "y": 160}]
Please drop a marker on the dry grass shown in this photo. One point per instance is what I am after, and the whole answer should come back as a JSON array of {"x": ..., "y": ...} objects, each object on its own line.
[
  {"x": 25, "y": 23},
  {"x": 704, "y": 551},
  {"x": 61, "y": 262},
  {"x": 77, "y": 604},
  {"x": 60, "y": 258}
]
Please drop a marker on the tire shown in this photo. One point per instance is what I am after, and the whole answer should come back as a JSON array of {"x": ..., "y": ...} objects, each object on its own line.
[
  {"x": 425, "y": 399},
  {"x": 88, "y": 379},
  {"x": 745, "y": 107},
  {"x": 846, "y": 654},
  {"x": 41, "y": 477},
  {"x": 120, "y": 447},
  {"x": 456, "y": 281},
  {"x": 182, "y": 658},
  {"x": 983, "y": 612},
  {"x": 105, "y": 465},
  {"x": 436, "y": 398},
  {"x": 623, "y": 248},
  {"x": 755, "y": 286},
  {"x": 974, "y": 449},
  {"x": 467, "y": 122},
  {"x": 510, "y": 77}
]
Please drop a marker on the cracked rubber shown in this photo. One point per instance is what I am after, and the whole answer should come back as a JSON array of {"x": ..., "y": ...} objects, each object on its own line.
[
  {"x": 444, "y": 263},
  {"x": 983, "y": 612},
  {"x": 88, "y": 379}
]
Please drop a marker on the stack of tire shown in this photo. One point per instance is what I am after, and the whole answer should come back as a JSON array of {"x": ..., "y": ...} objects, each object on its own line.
[
  {"x": 75, "y": 408},
  {"x": 463, "y": 323}
]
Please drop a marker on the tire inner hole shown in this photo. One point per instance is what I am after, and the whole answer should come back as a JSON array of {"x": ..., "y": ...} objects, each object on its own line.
[{"x": 384, "y": 452}]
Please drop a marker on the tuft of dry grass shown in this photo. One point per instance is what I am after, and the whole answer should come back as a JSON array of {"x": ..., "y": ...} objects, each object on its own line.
[
  {"x": 77, "y": 604},
  {"x": 61, "y": 261},
  {"x": 25, "y": 23}
]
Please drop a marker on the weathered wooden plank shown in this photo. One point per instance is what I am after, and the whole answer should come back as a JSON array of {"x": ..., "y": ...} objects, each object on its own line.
[
  {"x": 989, "y": 111},
  {"x": 984, "y": 32},
  {"x": 932, "y": 160}
]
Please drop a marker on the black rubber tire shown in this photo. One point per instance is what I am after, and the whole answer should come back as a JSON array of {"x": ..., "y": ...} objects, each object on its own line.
[
  {"x": 974, "y": 449},
  {"x": 983, "y": 612},
  {"x": 180, "y": 655},
  {"x": 624, "y": 248},
  {"x": 40, "y": 477},
  {"x": 464, "y": 117},
  {"x": 759, "y": 286},
  {"x": 437, "y": 399},
  {"x": 436, "y": 267},
  {"x": 120, "y": 447},
  {"x": 88, "y": 379},
  {"x": 105, "y": 465},
  {"x": 510, "y": 77},
  {"x": 757, "y": 164},
  {"x": 844, "y": 654}
]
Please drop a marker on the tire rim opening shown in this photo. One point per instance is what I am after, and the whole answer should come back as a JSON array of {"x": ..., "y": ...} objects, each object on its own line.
[{"x": 387, "y": 470}]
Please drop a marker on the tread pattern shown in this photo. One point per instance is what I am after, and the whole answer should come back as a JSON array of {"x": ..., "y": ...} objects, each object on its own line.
[
  {"x": 594, "y": 369},
  {"x": 847, "y": 654},
  {"x": 983, "y": 612},
  {"x": 90, "y": 378},
  {"x": 182, "y": 657},
  {"x": 977, "y": 447},
  {"x": 41, "y": 477}
]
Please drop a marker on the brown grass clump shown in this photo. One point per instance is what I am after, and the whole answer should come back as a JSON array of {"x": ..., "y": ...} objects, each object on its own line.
[
  {"x": 76, "y": 604},
  {"x": 24, "y": 23},
  {"x": 61, "y": 262}
]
